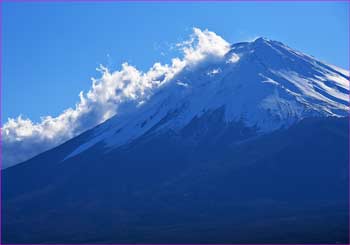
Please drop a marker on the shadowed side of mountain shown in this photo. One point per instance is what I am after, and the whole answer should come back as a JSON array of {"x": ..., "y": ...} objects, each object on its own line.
[{"x": 211, "y": 182}]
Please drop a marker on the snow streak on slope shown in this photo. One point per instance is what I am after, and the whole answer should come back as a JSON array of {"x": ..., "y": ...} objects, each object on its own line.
[{"x": 263, "y": 83}]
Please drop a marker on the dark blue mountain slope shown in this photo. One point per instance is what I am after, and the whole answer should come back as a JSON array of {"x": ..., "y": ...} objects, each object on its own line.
[{"x": 211, "y": 182}]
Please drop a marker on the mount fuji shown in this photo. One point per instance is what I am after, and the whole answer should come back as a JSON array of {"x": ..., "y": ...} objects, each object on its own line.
[
  {"x": 246, "y": 147},
  {"x": 263, "y": 84}
]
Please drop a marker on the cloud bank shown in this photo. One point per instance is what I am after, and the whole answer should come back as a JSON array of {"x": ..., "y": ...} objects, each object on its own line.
[{"x": 23, "y": 139}]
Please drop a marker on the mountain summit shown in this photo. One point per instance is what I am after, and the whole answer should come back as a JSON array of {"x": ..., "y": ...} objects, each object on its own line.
[
  {"x": 263, "y": 84},
  {"x": 249, "y": 145}
]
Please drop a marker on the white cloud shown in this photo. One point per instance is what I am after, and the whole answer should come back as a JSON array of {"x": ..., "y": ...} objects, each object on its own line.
[
  {"x": 203, "y": 45},
  {"x": 23, "y": 139}
]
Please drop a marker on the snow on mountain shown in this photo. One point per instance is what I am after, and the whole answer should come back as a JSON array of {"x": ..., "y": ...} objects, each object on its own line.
[{"x": 263, "y": 83}]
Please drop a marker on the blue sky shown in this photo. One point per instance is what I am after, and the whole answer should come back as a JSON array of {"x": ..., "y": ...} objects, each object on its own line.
[{"x": 50, "y": 50}]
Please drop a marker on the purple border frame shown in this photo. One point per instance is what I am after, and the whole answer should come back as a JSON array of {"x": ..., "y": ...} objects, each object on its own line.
[{"x": 164, "y": 1}]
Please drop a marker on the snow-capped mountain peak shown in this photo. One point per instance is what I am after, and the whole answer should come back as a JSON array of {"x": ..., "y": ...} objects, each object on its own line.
[{"x": 263, "y": 83}]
